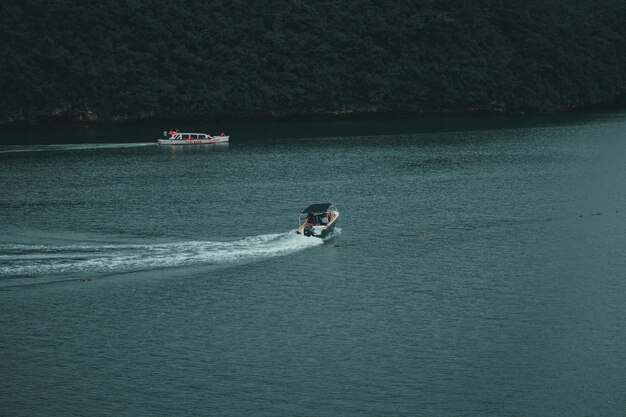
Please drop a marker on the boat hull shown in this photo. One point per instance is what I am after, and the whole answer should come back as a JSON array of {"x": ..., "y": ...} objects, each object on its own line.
[
  {"x": 319, "y": 231},
  {"x": 216, "y": 140},
  {"x": 327, "y": 231}
]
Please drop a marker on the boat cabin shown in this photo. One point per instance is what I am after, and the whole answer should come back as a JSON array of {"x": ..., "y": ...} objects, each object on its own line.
[
  {"x": 318, "y": 214},
  {"x": 189, "y": 136}
]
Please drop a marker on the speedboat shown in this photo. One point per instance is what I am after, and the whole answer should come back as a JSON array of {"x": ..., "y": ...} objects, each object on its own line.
[
  {"x": 174, "y": 137},
  {"x": 318, "y": 220}
]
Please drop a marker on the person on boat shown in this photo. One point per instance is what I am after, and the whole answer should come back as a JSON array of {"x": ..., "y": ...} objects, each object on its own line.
[{"x": 325, "y": 218}]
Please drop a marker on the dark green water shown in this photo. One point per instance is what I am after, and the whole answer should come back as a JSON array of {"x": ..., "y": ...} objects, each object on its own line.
[{"x": 478, "y": 269}]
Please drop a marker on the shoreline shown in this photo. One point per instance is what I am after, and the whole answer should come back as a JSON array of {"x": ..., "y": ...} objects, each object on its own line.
[{"x": 272, "y": 117}]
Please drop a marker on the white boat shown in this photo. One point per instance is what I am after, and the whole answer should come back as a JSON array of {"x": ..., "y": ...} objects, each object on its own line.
[
  {"x": 318, "y": 220},
  {"x": 174, "y": 137}
]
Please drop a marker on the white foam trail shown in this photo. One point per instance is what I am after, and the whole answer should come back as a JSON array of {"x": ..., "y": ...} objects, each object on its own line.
[
  {"x": 70, "y": 147},
  {"x": 36, "y": 260}
]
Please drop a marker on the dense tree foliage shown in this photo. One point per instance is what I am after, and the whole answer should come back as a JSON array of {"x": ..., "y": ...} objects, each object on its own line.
[{"x": 177, "y": 58}]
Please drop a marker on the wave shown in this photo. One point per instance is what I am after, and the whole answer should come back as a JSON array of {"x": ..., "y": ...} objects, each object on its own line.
[
  {"x": 70, "y": 147},
  {"x": 44, "y": 260}
]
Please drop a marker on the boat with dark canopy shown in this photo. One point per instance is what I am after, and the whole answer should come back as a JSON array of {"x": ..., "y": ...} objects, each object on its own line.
[{"x": 318, "y": 220}]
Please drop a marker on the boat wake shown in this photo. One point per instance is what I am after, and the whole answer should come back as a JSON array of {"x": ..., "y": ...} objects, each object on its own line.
[
  {"x": 32, "y": 261},
  {"x": 70, "y": 147}
]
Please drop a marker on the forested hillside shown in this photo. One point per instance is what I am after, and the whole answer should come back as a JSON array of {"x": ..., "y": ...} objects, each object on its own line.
[{"x": 127, "y": 59}]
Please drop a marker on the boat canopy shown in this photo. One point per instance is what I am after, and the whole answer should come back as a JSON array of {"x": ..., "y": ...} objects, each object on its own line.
[{"x": 316, "y": 208}]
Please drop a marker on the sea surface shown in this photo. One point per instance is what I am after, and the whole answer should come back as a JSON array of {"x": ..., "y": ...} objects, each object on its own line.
[{"x": 478, "y": 269}]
